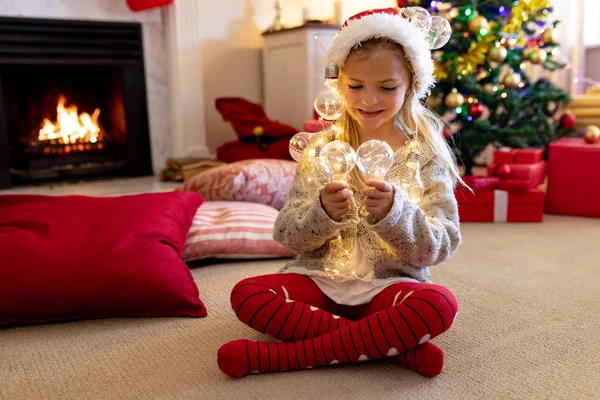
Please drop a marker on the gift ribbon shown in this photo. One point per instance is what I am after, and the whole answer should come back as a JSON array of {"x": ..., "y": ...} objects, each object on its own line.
[{"x": 500, "y": 206}]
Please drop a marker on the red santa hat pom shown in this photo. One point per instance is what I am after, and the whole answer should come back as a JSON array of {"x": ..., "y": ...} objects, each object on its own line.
[{"x": 411, "y": 27}]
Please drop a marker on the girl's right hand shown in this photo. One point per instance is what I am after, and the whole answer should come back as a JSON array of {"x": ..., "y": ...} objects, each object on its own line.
[{"x": 335, "y": 199}]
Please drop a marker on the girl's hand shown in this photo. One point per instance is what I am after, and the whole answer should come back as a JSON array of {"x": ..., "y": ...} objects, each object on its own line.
[
  {"x": 379, "y": 198},
  {"x": 335, "y": 199}
]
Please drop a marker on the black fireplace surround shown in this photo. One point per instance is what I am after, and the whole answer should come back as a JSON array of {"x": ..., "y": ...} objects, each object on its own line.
[{"x": 93, "y": 65}]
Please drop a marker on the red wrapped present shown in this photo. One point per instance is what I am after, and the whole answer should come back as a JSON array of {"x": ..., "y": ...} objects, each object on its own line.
[
  {"x": 481, "y": 183},
  {"x": 532, "y": 175},
  {"x": 573, "y": 178},
  {"x": 500, "y": 206},
  {"x": 518, "y": 156}
]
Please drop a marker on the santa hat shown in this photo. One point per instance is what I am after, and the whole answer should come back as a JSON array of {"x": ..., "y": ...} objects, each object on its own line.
[{"x": 394, "y": 24}]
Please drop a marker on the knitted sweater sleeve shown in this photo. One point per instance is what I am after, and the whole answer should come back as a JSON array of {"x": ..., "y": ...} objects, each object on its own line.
[
  {"x": 303, "y": 225},
  {"x": 426, "y": 233}
]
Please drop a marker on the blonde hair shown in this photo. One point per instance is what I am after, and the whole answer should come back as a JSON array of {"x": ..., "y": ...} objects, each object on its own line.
[{"x": 414, "y": 118}]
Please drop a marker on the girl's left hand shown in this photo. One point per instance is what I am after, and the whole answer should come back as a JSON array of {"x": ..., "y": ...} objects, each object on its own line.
[{"x": 379, "y": 198}]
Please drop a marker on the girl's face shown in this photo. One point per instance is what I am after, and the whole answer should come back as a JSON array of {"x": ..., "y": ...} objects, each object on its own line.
[{"x": 374, "y": 87}]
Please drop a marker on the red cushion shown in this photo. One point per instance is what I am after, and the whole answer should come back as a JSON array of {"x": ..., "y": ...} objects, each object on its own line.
[
  {"x": 256, "y": 181},
  {"x": 233, "y": 229},
  {"x": 246, "y": 117},
  {"x": 139, "y": 5},
  {"x": 75, "y": 257},
  {"x": 237, "y": 151}
]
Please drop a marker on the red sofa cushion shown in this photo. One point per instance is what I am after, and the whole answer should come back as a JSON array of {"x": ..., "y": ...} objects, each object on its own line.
[
  {"x": 231, "y": 152},
  {"x": 75, "y": 257},
  {"x": 246, "y": 117}
]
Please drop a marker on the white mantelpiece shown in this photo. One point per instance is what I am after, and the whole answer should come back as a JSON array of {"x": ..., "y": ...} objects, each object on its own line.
[
  {"x": 184, "y": 41},
  {"x": 155, "y": 51}
]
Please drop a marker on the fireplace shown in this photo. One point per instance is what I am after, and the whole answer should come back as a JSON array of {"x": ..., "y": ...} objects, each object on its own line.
[{"x": 72, "y": 101}]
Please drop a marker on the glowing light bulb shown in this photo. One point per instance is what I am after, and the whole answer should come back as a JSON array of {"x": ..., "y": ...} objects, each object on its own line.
[
  {"x": 330, "y": 103},
  {"x": 412, "y": 183},
  {"x": 439, "y": 33},
  {"x": 374, "y": 158},
  {"x": 418, "y": 16},
  {"x": 298, "y": 143},
  {"x": 337, "y": 159}
]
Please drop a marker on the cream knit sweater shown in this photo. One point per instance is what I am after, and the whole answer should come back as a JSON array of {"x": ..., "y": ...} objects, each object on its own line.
[{"x": 405, "y": 243}]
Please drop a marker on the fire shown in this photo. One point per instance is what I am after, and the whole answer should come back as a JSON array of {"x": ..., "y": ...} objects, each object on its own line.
[{"x": 70, "y": 126}]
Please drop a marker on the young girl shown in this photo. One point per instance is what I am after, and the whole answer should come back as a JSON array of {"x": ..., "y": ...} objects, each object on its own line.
[{"x": 392, "y": 310}]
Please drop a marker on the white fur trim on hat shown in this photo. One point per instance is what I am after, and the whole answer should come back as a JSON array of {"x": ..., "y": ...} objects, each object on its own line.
[{"x": 387, "y": 23}]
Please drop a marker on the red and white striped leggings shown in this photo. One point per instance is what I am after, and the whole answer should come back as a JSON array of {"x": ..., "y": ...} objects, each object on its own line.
[{"x": 316, "y": 331}]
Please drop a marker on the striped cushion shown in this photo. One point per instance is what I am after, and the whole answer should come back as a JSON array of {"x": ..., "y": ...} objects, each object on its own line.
[{"x": 233, "y": 229}]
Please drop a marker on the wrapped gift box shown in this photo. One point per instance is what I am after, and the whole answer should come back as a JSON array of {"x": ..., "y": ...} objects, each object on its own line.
[
  {"x": 586, "y": 108},
  {"x": 500, "y": 206},
  {"x": 573, "y": 178},
  {"x": 518, "y": 156},
  {"x": 532, "y": 175}
]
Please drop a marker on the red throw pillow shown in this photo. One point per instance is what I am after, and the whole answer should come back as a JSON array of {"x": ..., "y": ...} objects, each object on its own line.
[
  {"x": 239, "y": 151},
  {"x": 140, "y": 5},
  {"x": 255, "y": 181},
  {"x": 74, "y": 257},
  {"x": 233, "y": 229},
  {"x": 249, "y": 120}
]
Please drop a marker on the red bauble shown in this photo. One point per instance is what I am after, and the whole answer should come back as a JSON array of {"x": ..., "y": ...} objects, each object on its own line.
[
  {"x": 502, "y": 171},
  {"x": 402, "y": 3},
  {"x": 475, "y": 110},
  {"x": 447, "y": 134},
  {"x": 567, "y": 121}
]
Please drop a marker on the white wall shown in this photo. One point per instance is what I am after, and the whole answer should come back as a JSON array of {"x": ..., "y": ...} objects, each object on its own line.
[
  {"x": 231, "y": 48},
  {"x": 232, "y": 42}
]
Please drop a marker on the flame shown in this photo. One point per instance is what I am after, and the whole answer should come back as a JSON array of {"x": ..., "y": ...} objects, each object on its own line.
[{"x": 71, "y": 127}]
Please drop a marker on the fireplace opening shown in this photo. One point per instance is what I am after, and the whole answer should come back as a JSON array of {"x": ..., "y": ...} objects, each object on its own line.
[{"x": 72, "y": 101}]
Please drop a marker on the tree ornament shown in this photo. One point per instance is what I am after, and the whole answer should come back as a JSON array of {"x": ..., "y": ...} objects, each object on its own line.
[
  {"x": 527, "y": 53},
  {"x": 549, "y": 36},
  {"x": 475, "y": 110},
  {"x": 567, "y": 121},
  {"x": 502, "y": 171},
  {"x": 477, "y": 24},
  {"x": 509, "y": 42},
  {"x": 454, "y": 99},
  {"x": 512, "y": 80},
  {"x": 591, "y": 134},
  {"x": 538, "y": 56},
  {"x": 497, "y": 53},
  {"x": 433, "y": 102},
  {"x": 447, "y": 133}
]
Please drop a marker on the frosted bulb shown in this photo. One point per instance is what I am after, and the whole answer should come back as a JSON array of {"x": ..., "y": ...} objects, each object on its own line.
[
  {"x": 298, "y": 143},
  {"x": 439, "y": 33},
  {"x": 412, "y": 184},
  {"x": 337, "y": 158},
  {"x": 419, "y": 17},
  {"x": 374, "y": 158},
  {"x": 330, "y": 103}
]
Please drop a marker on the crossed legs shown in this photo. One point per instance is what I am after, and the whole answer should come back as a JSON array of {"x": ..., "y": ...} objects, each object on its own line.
[{"x": 398, "y": 324}]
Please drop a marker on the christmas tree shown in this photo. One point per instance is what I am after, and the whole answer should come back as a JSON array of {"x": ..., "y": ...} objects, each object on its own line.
[{"x": 483, "y": 87}]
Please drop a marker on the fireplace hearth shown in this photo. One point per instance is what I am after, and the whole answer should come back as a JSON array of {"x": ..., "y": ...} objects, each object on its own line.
[{"x": 72, "y": 101}]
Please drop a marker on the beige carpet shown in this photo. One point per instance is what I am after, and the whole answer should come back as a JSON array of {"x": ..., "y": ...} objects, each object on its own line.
[{"x": 527, "y": 329}]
